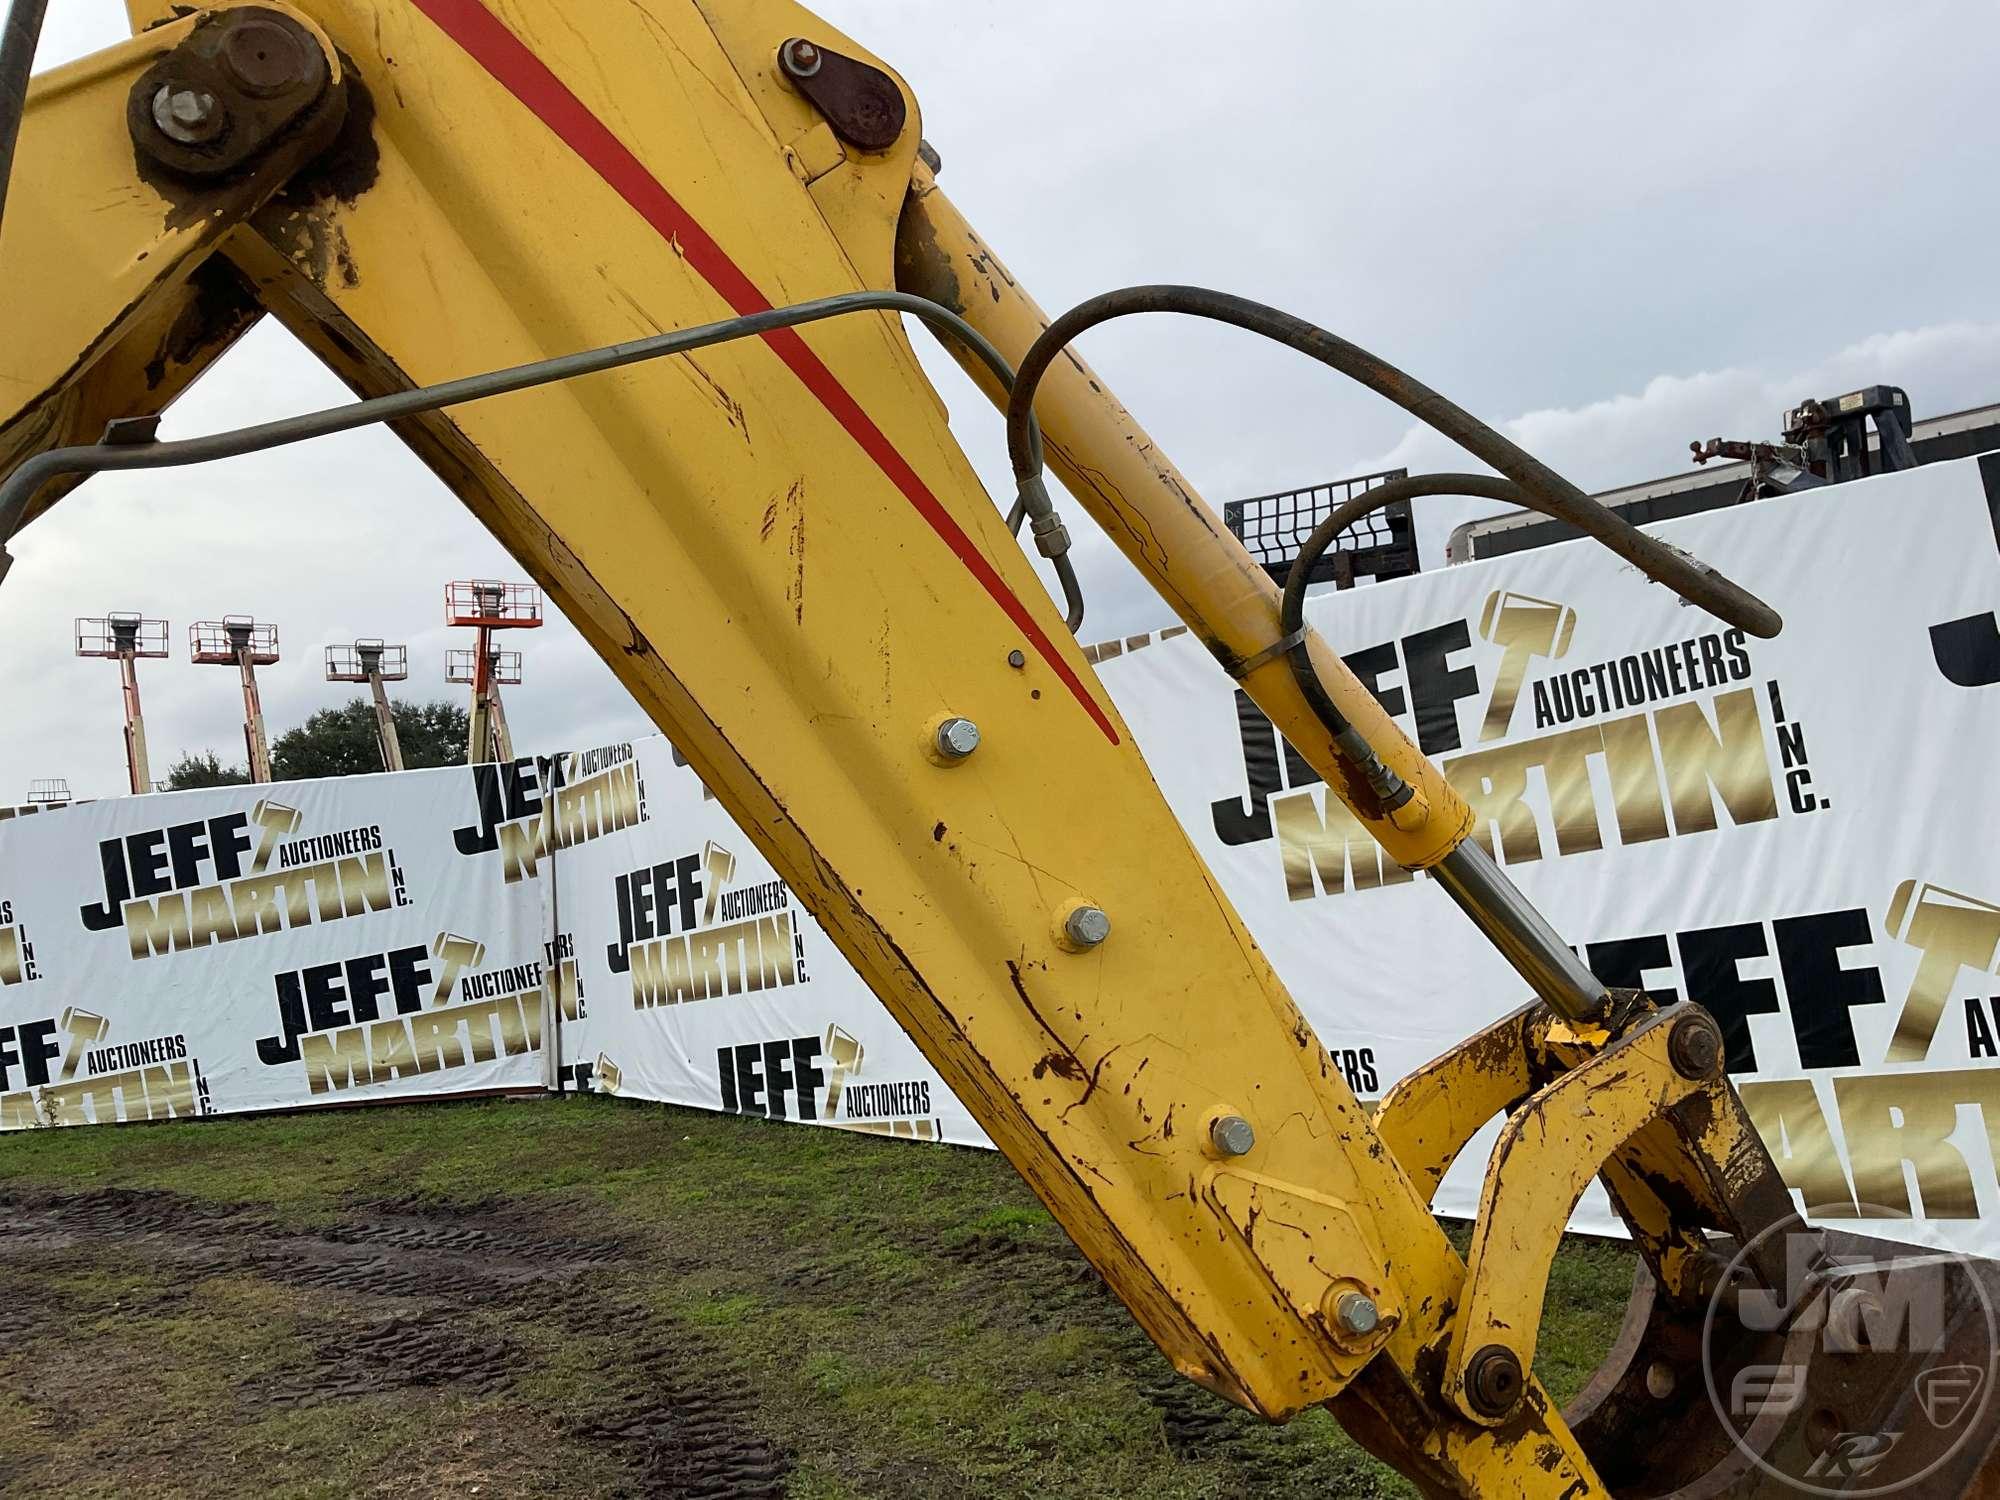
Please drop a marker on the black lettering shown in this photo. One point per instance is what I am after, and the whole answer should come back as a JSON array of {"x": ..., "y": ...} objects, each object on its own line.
[
  {"x": 481, "y": 836},
  {"x": 323, "y": 996},
  {"x": 725, "y": 1063},
  {"x": 1978, "y": 1035},
  {"x": 1435, "y": 686},
  {"x": 1711, "y": 659},
  {"x": 1821, "y": 991},
  {"x": 1622, "y": 964},
  {"x": 749, "y": 1082},
  {"x": 1709, "y": 959},
  {"x": 1791, "y": 744},
  {"x": 187, "y": 848},
  {"x": 777, "y": 1077},
  {"x": 110, "y": 912},
  {"x": 618, "y": 955},
  {"x": 410, "y": 977},
  {"x": 1733, "y": 643},
  {"x": 1235, "y": 822},
  {"x": 284, "y": 1047},
  {"x": 367, "y": 983}
]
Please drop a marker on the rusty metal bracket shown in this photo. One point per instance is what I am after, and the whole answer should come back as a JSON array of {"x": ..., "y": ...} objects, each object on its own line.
[
  {"x": 1430, "y": 1113},
  {"x": 241, "y": 79},
  {"x": 1548, "y": 1153},
  {"x": 861, "y": 102}
]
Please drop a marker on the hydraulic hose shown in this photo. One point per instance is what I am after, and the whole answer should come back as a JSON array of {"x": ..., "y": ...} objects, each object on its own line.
[
  {"x": 1551, "y": 493},
  {"x": 20, "y": 486},
  {"x": 1291, "y": 609},
  {"x": 22, "y": 32}
]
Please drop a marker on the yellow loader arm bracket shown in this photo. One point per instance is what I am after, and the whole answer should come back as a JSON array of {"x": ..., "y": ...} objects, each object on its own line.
[{"x": 678, "y": 234}]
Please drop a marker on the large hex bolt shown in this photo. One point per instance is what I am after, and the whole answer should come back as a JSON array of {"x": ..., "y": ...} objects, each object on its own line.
[
  {"x": 1231, "y": 1135},
  {"x": 1357, "y": 1314},
  {"x": 957, "y": 738},
  {"x": 1085, "y": 927},
  {"x": 1493, "y": 1381},
  {"x": 1694, "y": 1047}
]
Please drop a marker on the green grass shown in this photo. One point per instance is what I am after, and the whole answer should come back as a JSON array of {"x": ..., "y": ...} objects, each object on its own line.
[{"x": 896, "y": 1319}]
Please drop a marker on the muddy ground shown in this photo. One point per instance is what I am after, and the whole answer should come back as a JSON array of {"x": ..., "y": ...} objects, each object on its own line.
[{"x": 593, "y": 1298}]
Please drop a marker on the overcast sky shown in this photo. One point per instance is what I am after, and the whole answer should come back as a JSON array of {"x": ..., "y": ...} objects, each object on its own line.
[{"x": 1614, "y": 228}]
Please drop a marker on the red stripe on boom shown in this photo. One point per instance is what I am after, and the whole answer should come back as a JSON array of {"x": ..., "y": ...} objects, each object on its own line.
[{"x": 528, "y": 78}]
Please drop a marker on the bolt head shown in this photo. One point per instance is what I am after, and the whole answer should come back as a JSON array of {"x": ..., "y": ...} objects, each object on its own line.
[
  {"x": 1494, "y": 1381},
  {"x": 1233, "y": 1136},
  {"x": 1087, "y": 926},
  {"x": 1017, "y": 658},
  {"x": 800, "y": 57},
  {"x": 1357, "y": 1313},
  {"x": 186, "y": 115},
  {"x": 1695, "y": 1047},
  {"x": 957, "y": 738}
]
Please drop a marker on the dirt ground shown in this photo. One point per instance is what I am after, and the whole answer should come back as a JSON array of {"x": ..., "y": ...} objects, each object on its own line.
[{"x": 588, "y": 1297}]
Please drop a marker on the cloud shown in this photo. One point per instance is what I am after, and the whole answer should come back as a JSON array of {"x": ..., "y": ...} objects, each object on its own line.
[{"x": 1527, "y": 209}]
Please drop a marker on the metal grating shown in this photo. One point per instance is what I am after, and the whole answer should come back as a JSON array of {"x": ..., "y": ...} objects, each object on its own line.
[
  {"x": 1274, "y": 527},
  {"x": 49, "y": 791}
]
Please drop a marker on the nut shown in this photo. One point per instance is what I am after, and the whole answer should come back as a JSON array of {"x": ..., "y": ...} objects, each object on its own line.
[
  {"x": 1694, "y": 1046},
  {"x": 1493, "y": 1381},
  {"x": 799, "y": 57}
]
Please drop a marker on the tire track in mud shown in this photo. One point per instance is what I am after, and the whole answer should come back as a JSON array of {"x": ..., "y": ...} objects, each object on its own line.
[{"x": 687, "y": 1427}]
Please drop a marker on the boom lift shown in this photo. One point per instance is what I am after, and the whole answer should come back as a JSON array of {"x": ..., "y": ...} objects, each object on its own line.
[{"x": 779, "y": 548}]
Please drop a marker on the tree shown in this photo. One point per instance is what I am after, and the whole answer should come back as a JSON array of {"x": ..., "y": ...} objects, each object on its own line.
[
  {"x": 204, "y": 770},
  {"x": 341, "y": 741}
]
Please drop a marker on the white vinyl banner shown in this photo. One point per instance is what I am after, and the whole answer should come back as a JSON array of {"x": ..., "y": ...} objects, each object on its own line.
[
  {"x": 707, "y": 983},
  {"x": 1800, "y": 833}
]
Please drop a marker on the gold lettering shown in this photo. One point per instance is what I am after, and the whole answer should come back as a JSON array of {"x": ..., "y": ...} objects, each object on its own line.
[
  {"x": 390, "y": 1046},
  {"x": 1565, "y": 762},
  {"x": 153, "y": 928},
  {"x": 1877, "y": 1145},
  {"x": 521, "y": 847},
  {"x": 209, "y": 917},
  {"x": 1729, "y": 758},
  {"x": 364, "y": 884},
  {"x": 256, "y": 902},
  {"x": 680, "y": 971},
  {"x": 337, "y": 1059},
  {"x": 10, "y": 956},
  {"x": 1955, "y": 932},
  {"x": 1635, "y": 780},
  {"x": 774, "y": 936},
  {"x": 1328, "y": 847},
  {"x": 515, "y": 1038},
  {"x": 169, "y": 1091},
  {"x": 649, "y": 976},
  {"x": 1787, "y": 1115},
  {"x": 707, "y": 970},
  {"x": 434, "y": 1034},
  {"x": 1494, "y": 784}
]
